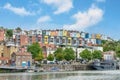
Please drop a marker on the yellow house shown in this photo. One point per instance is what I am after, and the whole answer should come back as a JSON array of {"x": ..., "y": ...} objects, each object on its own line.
[
  {"x": 45, "y": 39},
  {"x": 69, "y": 41},
  {"x": 64, "y": 33},
  {"x": 78, "y": 35},
  {"x": 98, "y": 36}
]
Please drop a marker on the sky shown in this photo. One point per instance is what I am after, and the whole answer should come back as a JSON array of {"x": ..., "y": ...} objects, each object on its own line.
[{"x": 93, "y": 16}]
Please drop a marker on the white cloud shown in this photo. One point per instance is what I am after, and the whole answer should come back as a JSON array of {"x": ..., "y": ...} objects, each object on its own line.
[
  {"x": 19, "y": 11},
  {"x": 86, "y": 19},
  {"x": 61, "y": 5},
  {"x": 44, "y": 19},
  {"x": 100, "y": 0}
]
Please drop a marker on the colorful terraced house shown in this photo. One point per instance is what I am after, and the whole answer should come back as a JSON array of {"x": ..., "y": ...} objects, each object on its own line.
[{"x": 50, "y": 40}]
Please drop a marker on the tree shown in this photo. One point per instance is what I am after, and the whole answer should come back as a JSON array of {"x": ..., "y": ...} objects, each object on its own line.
[
  {"x": 117, "y": 50},
  {"x": 109, "y": 45},
  {"x": 34, "y": 49},
  {"x": 69, "y": 54},
  {"x": 9, "y": 33},
  {"x": 86, "y": 54},
  {"x": 97, "y": 55},
  {"x": 50, "y": 57},
  {"x": 59, "y": 50},
  {"x": 59, "y": 56},
  {"x": 39, "y": 57},
  {"x": 18, "y": 28}
]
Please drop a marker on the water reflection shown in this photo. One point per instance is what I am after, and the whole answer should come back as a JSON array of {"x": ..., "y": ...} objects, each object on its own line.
[{"x": 75, "y": 75}]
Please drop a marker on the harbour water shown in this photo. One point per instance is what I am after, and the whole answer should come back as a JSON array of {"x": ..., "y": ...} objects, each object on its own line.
[{"x": 73, "y": 75}]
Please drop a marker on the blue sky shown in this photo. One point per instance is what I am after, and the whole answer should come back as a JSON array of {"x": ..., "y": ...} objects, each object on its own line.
[{"x": 93, "y": 16}]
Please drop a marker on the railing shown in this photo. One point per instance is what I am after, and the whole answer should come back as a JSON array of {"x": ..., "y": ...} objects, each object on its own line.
[{"x": 12, "y": 67}]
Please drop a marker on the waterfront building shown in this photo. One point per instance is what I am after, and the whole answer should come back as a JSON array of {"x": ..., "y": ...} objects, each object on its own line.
[
  {"x": 109, "y": 55},
  {"x": 3, "y": 59},
  {"x": 6, "y": 49},
  {"x": 21, "y": 59}
]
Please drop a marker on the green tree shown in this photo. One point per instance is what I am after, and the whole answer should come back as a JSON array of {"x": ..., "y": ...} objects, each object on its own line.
[
  {"x": 59, "y": 56},
  {"x": 9, "y": 33},
  {"x": 117, "y": 50},
  {"x": 86, "y": 54},
  {"x": 97, "y": 55},
  {"x": 34, "y": 49},
  {"x": 69, "y": 54},
  {"x": 18, "y": 28},
  {"x": 59, "y": 50},
  {"x": 50, "y": 57},
  {"x": 39, "y": 57},
  {"x": 109, "y": 45}
]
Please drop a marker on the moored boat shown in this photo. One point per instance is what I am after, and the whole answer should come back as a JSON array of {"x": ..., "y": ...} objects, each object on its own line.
[{"x": 104, "y": 65}]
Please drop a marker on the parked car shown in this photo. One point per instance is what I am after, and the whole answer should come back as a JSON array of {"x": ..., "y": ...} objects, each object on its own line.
[
  {"x": 50, "y": 62},
  {"x": 83, "y": 61}
]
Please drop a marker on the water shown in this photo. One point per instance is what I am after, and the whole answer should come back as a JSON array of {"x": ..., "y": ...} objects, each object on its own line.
[{"x": 74, "y": 75}]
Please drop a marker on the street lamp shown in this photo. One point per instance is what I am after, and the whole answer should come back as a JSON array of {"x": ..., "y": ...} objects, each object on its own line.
[{"x": 76, "y": 53}]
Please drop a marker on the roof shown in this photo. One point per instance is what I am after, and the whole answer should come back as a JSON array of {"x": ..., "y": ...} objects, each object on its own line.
[
  {"x": 109, "y": 52},
  {"x": 4, "y": 58}
]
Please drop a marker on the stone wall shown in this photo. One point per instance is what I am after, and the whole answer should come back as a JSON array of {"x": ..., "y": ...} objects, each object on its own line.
[{"x": 68, "y": 67}]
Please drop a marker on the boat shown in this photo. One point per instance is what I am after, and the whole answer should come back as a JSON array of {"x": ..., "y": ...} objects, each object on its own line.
[{"x": 104, "y": 65}]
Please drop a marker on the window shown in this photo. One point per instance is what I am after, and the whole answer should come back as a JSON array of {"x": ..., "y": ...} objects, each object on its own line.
[
  {"x": 39, "y": 39},
  {"x": 45, "y": 39},
  {"x": 51, "y": 40},
  {"x": 2, "y": 54},
  {"x": 63, "y": 40},
  {"x": 57, "y": 40},
  {"x": 69, "y": 41},
  {"x": 85, "y": 42},
  {"x": 80, "y": 42},
  {"x": 74, "y": 42}
]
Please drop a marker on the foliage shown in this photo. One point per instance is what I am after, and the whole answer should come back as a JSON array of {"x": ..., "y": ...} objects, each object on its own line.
[
  {"x": 118, "y": 51},
  {"x": 59, "y": 56},
  {"x": 59, "y": 50},
  {"x": 97, "y": 55},
  {"x": 69, "y": 54},
  {"x": 50, "y": 57},
  {"x": 109, "y": 45},
  {"x": 18, "y": 28},
  {"x": 39, "y": 57},
  {"x": 9, "y": 33},
  {"x": 34, "y": 49},
  {"x": 86, "y": 54},
  {"x": 112, "y": 45}
]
